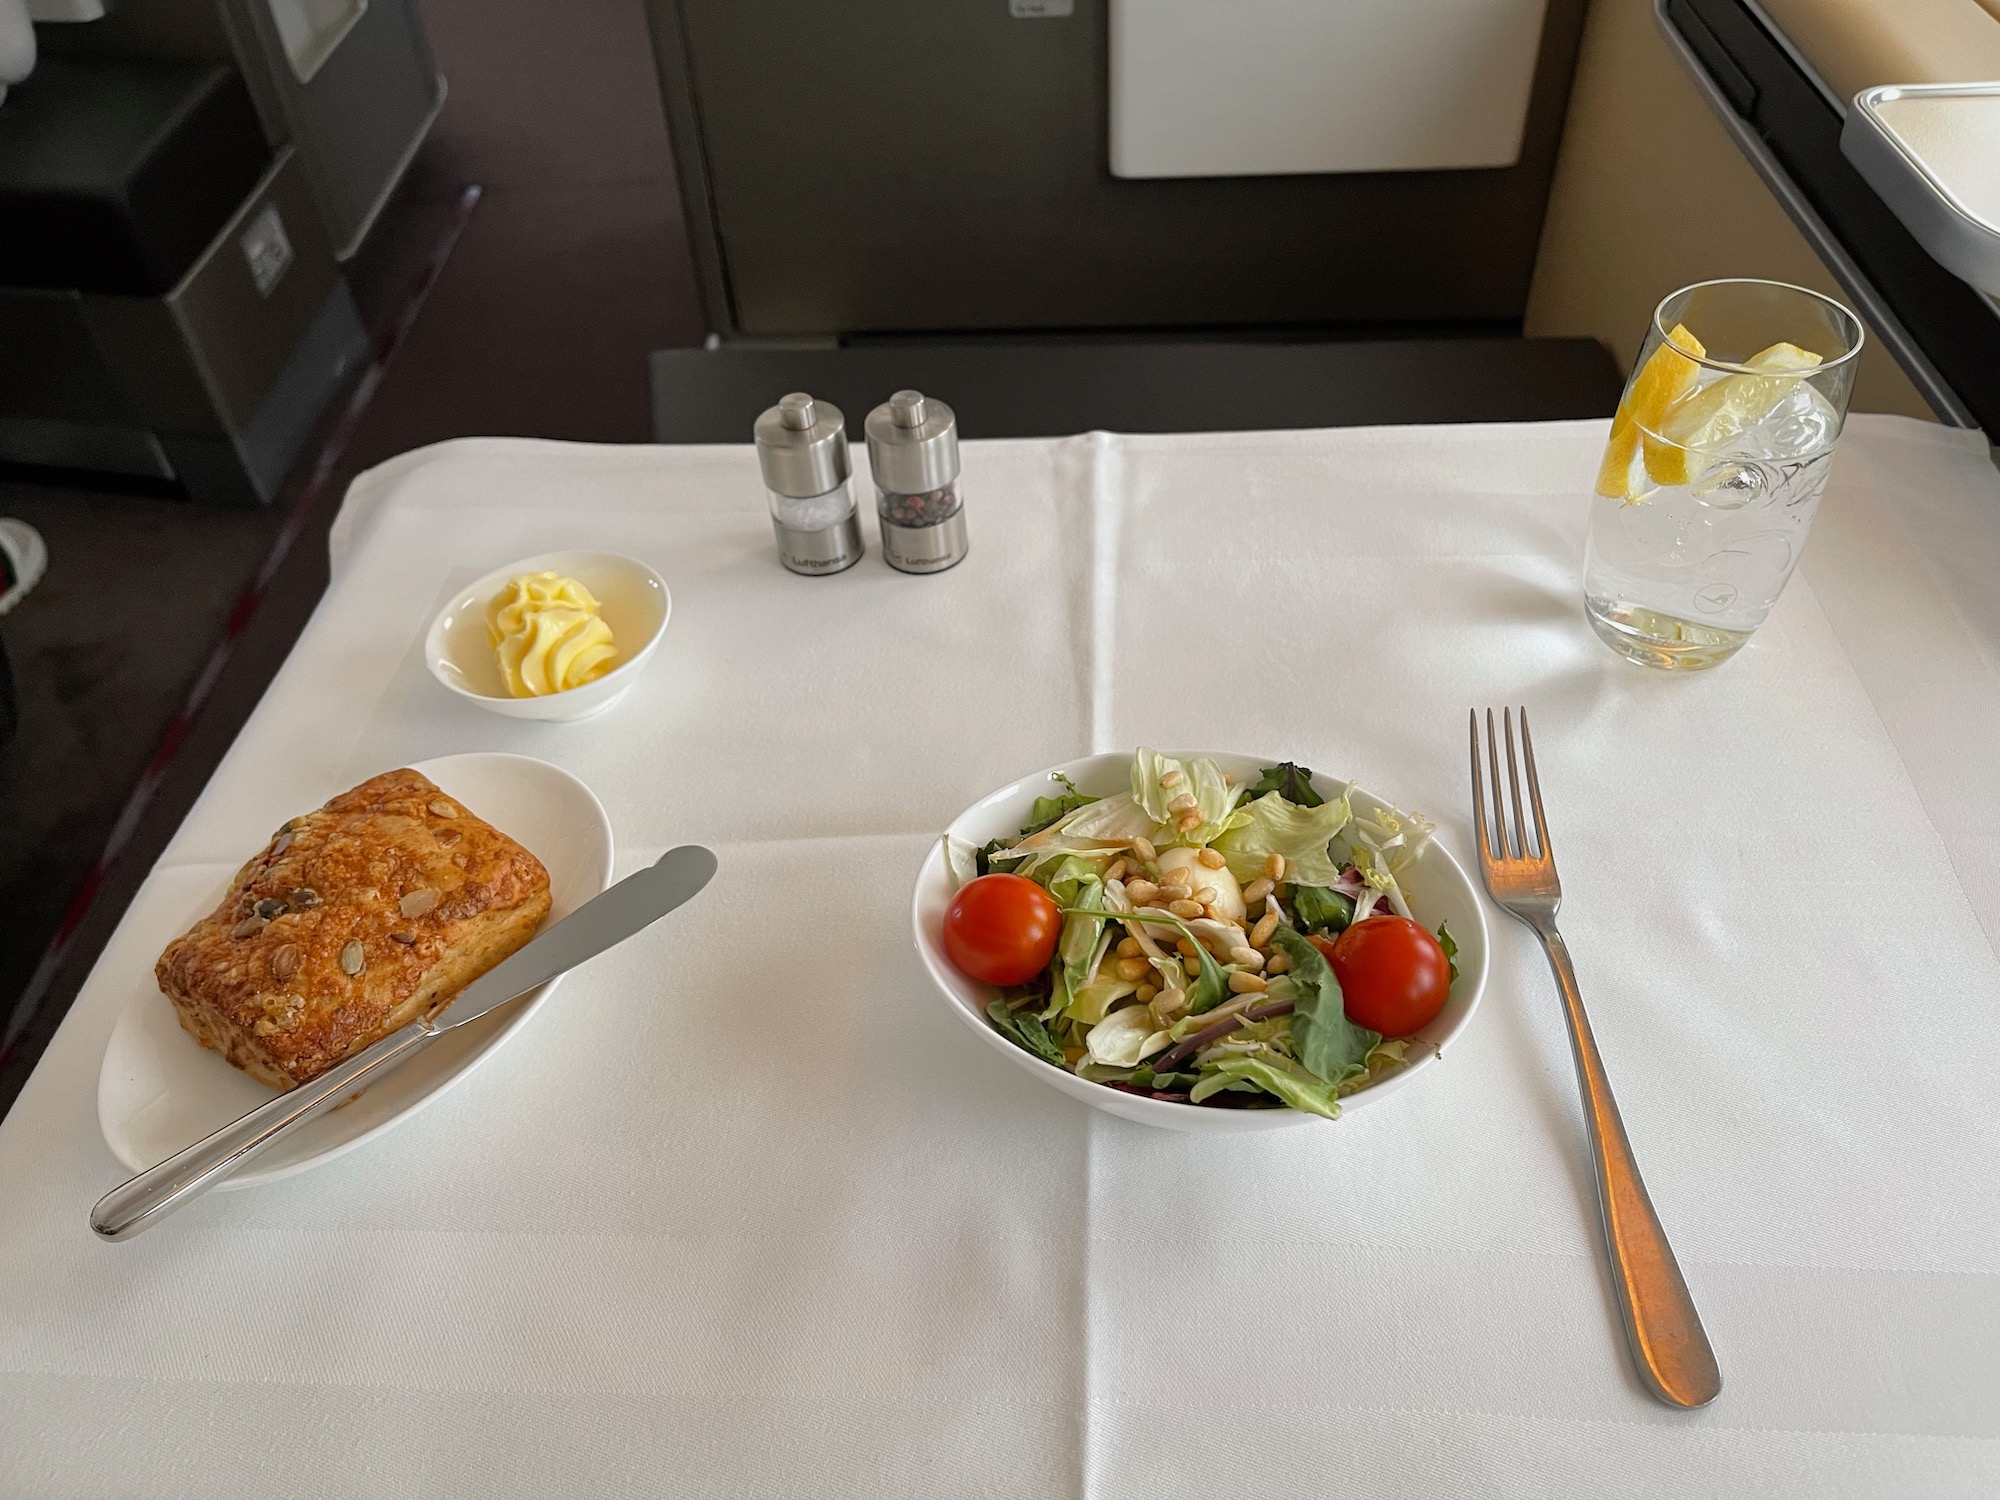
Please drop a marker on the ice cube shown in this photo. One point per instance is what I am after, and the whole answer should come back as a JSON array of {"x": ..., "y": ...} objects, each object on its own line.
[
  {"x": 1800, "y": 424},
  {"x": 1733, "y": 484}
]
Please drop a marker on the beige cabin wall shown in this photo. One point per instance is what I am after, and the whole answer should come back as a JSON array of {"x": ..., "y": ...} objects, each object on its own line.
[{"x": 1650, "y": 194}]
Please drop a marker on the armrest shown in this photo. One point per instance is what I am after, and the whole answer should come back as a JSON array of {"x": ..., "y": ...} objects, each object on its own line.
[{"x": 1856, "y": 44}]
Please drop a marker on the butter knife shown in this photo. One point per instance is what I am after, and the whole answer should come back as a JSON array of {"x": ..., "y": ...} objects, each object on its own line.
[{"x": 603, "y": 922}]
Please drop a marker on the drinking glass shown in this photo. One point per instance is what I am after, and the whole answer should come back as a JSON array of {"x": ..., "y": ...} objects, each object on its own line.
[{"x": 1713, "y": 472}]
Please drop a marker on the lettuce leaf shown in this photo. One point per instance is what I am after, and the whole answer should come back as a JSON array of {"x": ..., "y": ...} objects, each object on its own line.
[
  {"x": 1125, "y": 1036},
  {"x": 1321, "y": 910},
  {"x": 1331, "y": 1047},
  {"x": 1383, "y": 846},
  {"x": 1110, "y": 820},
  {"x": 1148, "y": 766},
  {"x": 1271, "y": 825},
  {"x": 961, "y": 861},
  {"x": 1090, "y": 1003},
  {"x": 1025, "y": 1031},
  {"x": 1079, "y": 893},
  {"x": 1214, "y": 798},
  {"x": 1048, "y": 809},
  {"x": 1385, "y": 1057},
  {"x": 1270, "y": 1074},
  {"x": 1212, "y": 982},
  {"x": 1450, "y": 945},
  {"x": 1292, "y": 782},
  {"x": 1091, "y": 1072}
]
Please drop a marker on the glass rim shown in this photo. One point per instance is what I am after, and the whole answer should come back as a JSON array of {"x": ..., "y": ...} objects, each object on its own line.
[{"x": 1852, "y": 318}]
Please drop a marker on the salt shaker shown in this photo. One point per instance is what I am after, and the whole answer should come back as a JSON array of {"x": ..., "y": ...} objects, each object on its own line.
[
  {"x": 802, "y": 449},
  {"x": 913, "y": 452}
]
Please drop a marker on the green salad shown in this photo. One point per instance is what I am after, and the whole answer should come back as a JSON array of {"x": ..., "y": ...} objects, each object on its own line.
[{"x": 1185, "y": 939}]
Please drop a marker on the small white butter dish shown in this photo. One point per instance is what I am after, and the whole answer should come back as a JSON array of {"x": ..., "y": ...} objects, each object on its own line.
[{"x": 635, "y": 604}]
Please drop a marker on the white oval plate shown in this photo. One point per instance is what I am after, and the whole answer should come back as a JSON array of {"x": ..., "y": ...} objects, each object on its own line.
[
  {"x": 160, "y": 1090},
  {"x": 1437, "y": 888}
]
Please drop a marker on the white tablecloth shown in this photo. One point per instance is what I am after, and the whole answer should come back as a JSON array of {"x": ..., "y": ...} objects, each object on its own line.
[{"x": 744, "y": 1211}]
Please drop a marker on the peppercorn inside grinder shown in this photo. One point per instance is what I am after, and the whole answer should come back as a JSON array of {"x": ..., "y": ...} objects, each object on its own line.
[
  {"x": 913, "y": 454},
  {"x": 802, "y": 449}
]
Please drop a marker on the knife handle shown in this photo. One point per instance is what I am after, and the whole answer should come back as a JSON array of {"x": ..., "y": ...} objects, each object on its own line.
[{"x": 156, "y": 1192}]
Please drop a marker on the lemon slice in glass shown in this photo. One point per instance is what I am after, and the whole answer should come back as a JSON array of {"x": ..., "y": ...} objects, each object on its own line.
[
  {"x": 1667, "y": 375},
  {"x": 1704, "y": 420}
]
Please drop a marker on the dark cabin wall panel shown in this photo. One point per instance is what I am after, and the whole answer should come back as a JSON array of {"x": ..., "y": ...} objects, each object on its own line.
[{"x": 900, "y": 165}]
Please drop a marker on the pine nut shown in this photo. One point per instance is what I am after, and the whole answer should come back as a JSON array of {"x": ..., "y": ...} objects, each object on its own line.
[
  {"x": 1187, "y": 949},
  {"x": 1130, "y": 948},
  {"x": 1116, "y": 871},
  {"x": 1188, "y": 821},
  {"x": 1250, "y": 958},
  {"x": 1144, "y": 849},
  {"x": 1171, "y": 779},
  {"x": 1183, "y": 803},
  {"x": 1274, "y": 867},
  {"x": 1139, "y": 892},
  {"x": 1169, "y": 1006},
  {"x": 1246, "y": 984},
  {"x": 1278, "y": 963},
  {"x": 1147, "y": 993},
  {"x": 1256, "y": 890},
  {"x": 1187, "y": 910},
  {"x": 1208, "y": 895},
  {"x": 1213, "y": 858},
  {"x": 1260, "y": 935},
  {"x": 1177, "y": 876},
  {"x": 1131, "y": 970}
]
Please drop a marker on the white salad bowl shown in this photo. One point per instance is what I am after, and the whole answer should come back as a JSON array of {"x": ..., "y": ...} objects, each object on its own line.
[
  {"x": 635, "y": 603},
  {"x": 1436, "y": 887}
]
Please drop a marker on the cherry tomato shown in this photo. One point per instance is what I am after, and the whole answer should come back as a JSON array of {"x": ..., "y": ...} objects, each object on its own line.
[
  {"x": 1001, "y": 929},
  {"x": 1393, "y": 975}
]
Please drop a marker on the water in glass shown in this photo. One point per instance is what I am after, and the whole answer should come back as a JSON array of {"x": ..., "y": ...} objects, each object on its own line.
[{"x": 1678, "y": 575}]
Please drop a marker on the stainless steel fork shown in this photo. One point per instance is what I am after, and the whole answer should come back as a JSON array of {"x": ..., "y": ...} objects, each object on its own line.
[{"x": 1661, "y": 1324}]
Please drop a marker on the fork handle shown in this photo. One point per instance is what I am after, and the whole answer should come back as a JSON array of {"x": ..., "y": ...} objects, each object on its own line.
[{"x": 1661, "y": 1325}]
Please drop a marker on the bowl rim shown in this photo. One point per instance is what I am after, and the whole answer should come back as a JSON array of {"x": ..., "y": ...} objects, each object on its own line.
[
  {"x": 1166, "y": 1113},
  {"x": 433, "y": 636}
]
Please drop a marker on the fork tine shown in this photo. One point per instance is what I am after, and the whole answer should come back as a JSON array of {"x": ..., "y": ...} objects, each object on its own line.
[
  {"x": 1534, "y": 789},
  {"x": 1479, "y": 796},
  {"x": 1514, "y": 778},
  {"x": 1499, "y": 802}
]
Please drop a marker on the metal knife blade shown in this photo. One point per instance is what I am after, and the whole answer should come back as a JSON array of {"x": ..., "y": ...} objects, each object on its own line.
[{"x": 607, "y": 919}]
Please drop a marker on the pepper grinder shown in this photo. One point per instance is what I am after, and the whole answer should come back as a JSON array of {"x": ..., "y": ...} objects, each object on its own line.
[
  {"x": 802, "y": 449},
  {"x": 913, "y": 453}
]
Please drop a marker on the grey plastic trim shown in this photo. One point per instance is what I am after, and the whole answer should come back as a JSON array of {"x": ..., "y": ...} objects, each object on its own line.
[
  {"x": 1957, "y": 236},
  {"x": 101, "y": 447},
  {"x": 333, "y": 347},
  {"x": 687, "y": 139},
  {"x": 394, "y": 180},
  {"x": 1799, "y": 59},
  {"x": 1853, "y": 280},
  {"x": 324, "y": 45}
]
